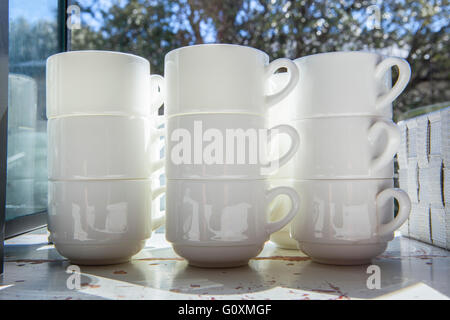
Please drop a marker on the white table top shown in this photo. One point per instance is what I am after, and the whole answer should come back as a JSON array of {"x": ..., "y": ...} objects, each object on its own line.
[{"x": 409, "y": 270}]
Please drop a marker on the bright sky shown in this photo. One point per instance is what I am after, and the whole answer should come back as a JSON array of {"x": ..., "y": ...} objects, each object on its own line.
[
  {"x": 104, "y": 4},
  {"x": 208, "y": 35},
  {"x": 33, "y": 10}
]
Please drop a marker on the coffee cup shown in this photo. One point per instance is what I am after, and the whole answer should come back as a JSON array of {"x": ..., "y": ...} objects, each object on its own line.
[{"x": 222, "y": 223}]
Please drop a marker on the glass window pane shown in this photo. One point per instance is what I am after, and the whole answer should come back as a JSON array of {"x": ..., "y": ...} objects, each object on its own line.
[{"x": 33, "y": 37}]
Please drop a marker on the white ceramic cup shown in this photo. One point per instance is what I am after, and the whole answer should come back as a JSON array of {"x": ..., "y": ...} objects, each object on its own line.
[
  {"x": 346, "y": 222},
  {"x": 222, "y": 78},
  {"x": 341, "y": 148},
  {"x": 282, "y": 238},
  {"x": 222, "y": 223},
  {"x": 339, "y": 84},
  {"x": 224, "y": 146},
  {"x": 101, "y": 222},
  {"x": 158, "y": 144},
  {"x": 101, "y": 147},
  {"x": 101, "y": 83}
]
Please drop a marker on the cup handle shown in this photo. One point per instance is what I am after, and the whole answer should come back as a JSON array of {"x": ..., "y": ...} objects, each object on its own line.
[
  {"x": 160, "y": 120},
  {"x": 158, "y": 89},
  {"x": 293, "y": 79},
  {"x": 404, "y": 205},
  {"x": 158, "y": 134},
  {"x": 295, "y": 139},
  {"x": 158, "y": 165},
  {"x": 400, "y": 85},
  {"x": 158, "y": 221},
  {"x": 272, "y": 227},
  {"x": 393, "y": 142}
]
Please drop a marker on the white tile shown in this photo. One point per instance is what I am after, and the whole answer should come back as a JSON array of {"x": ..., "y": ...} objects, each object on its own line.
[
  {"x": 422, "y": 140},
  {"x": 447, "y": 226},
  {"x": 412, "y": 138},
  {"x": 404, "y": 229},
  {"x": 435, "y": 148},
  {"x": 412, "y": 180},
  {"x": 430, "y": 184},
  {"x": 439, "y": 228},
  {"x": 419, "y": 223},
  {"x": 446, "y": 179},
  {"x": 403, "y": 179},
  {"x": 403, "y": 184},
  {"x": 402, "y": 155},
  {"x": 445, "y": 136}
]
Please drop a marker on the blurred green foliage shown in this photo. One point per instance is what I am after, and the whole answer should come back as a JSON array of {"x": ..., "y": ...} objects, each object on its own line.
[{"x": 415, "y": 30}]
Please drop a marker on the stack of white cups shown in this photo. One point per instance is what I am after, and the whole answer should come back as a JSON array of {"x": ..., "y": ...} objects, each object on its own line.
[
  {"x": 342, "y": 110},
  {"x": 217, "y": 193},
  {"x": 102, "y": 109}
]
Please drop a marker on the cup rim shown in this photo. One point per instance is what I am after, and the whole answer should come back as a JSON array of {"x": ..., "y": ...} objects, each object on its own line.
[
  {"x": 204, "y": 45},
  {"x": 342, "y": 116},
  {"x": 98, "y": 52},
  {"x": 214, "y": 113},
  {"x": 339, "y": 53}
]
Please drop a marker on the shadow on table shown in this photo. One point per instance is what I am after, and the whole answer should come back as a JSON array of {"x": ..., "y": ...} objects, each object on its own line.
[
  {"x": 170, "y": 273},
  {"x": 161, "y": 269},
  {"x": 351, "y": 281}
]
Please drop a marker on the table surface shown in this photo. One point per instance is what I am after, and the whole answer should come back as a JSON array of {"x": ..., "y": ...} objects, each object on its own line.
[{"x": 409, "y": 269}]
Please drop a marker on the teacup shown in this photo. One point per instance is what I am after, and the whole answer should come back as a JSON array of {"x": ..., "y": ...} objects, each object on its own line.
[
  {"x": 224, "y": 146},
  {"x": 101, "y": 147},
  {"x": 222, "y": 78},
  {"x": 101, "y": 222},
  {"x": 222, "y": 223},
  {"x": 95, "y": 82},
  {"x": 341, "y": 148},
  {"x": 352, "y": 83},
  {"x": 346, "y": 222}
]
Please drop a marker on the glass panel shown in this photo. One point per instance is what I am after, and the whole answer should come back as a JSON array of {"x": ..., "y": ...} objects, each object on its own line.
[{"x": 33, "y": 37}]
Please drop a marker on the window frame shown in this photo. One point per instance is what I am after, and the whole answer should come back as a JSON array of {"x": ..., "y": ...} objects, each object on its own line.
[
  {"x": 4, "y": 71},
  {"x": 37, "y": 220}
]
